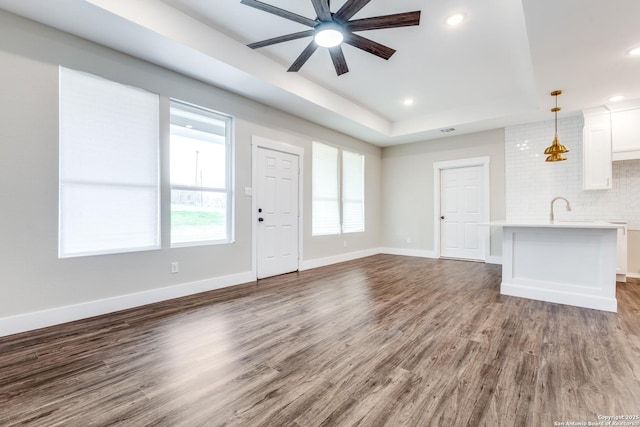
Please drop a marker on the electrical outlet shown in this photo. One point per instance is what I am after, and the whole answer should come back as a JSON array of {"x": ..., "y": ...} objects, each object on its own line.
[
  {"x": 175, "y": 267},
  {"x": 345, "y": 243},
  {"x": 408, "y": 239}
]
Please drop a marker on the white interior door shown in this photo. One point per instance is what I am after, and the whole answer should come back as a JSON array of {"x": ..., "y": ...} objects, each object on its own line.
[
  {"x": 277, "y": 204},
  {"x": 461, "y": 210}
]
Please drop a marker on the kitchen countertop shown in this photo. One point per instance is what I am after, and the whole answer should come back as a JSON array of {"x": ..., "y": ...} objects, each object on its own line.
[{"x": 559, "y": 224}]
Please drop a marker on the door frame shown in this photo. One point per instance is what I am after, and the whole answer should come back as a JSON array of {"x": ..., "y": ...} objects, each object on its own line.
[
  {"x": 258, "y": 142},
  {"x": 438, "y": 167}
]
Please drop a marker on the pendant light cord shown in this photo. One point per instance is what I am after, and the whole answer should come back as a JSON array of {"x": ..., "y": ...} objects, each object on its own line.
[{"x": 556, "y": 115}]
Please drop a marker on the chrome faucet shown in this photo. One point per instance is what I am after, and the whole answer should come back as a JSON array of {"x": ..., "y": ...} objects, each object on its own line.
[{"x": 553, "y": 200}]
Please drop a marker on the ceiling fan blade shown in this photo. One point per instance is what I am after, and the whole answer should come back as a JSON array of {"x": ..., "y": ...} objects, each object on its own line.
[
  {"x": 322, "y": 9},
  {"x": 340, "y": 64},
  {"x": 406, "y": 19},
  {"x": 370, "y": 46},
  {"x": 280, "y": 12},
  {"x": 281, "y": 39},
  {"x": 350, "y": 8},
  {"x": 304, "y": 56}
]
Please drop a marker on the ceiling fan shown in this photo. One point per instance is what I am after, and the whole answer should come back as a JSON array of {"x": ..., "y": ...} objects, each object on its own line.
[{"x": 332, "y": 29}]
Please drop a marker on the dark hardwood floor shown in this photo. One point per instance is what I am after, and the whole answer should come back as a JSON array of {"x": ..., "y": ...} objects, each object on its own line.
[{"x": 384, "y": 340}]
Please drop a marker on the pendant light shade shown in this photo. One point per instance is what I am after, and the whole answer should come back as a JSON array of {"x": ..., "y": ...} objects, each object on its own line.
[{"x": 555, "y": 150}]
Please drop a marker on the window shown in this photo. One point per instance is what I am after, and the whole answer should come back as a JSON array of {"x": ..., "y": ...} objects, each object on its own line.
[
  {"x": 201, "y": 191},
  {"x": 109, "y": 167},
  {"x": 325, "y": 215},
  {"x": 352, "y": 192},
  {"x": 338, "y": 198}
]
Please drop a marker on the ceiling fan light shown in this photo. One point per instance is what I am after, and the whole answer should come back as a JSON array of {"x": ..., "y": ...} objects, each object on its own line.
[
  {"x": 456, "y": 19},
  {"x": 634, "y": 52},
  {"x": 328, "y": 34}
]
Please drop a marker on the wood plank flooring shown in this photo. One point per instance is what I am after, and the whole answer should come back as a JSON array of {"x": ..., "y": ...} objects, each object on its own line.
[{"x": 384, "y": 340}]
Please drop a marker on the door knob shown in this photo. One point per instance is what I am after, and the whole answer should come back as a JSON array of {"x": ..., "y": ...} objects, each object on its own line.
[
  {"x": 442, "y": 217},
  {"x": 259, "y": 210},
  {"x": 260, "y": 219}
]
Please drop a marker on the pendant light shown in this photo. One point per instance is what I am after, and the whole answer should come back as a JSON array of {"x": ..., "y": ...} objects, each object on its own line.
[{"x": 556, "y": 149}]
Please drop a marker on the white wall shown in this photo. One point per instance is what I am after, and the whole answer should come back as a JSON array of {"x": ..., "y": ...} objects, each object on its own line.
[
  {"x": 407, "y": 190},
  {"x": 32, "y": 278},
  {"x": 532, "y": 182}
]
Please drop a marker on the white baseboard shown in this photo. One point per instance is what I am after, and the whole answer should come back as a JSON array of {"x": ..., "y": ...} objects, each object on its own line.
[
  {"x": 494, "y": 260},
  {"x": 55, "y": 316},
  {"x": 429, "y": 254},
  {"x": 321, "y": 262},
  {"x": 634, "y": 275},
  {"x": 408, "y": 252},
  {"x": 597, "y": 302}
]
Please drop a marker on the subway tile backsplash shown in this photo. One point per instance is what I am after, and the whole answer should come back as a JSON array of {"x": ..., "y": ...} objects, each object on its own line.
[{"x": 531, "y": 182}]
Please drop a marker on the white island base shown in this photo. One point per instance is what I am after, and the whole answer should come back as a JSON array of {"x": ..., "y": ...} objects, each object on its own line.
[{"x": 572, "y": 263}]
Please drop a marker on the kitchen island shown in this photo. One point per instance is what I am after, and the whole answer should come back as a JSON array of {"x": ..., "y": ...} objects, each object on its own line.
[{"x": 572, "y": 263}]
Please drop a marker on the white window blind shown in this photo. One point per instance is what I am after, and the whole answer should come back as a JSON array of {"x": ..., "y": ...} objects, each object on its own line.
[
  {"x": 352, "y": 192},
  {"x": 201, "y": 191},
  {"x": 109, "y": 167},
  {"x": 325, "y": 206}
]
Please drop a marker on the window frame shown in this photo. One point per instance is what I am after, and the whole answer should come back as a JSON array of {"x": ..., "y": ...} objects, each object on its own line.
[{"x": 228, "y": 190}]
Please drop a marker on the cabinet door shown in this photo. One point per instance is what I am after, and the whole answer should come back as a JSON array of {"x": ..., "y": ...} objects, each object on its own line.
[
  {"x": 626, "y": 134},
  {"x": 597, "y": 152}
]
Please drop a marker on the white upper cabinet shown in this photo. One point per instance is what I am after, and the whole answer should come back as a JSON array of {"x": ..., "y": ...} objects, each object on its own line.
[
  {"x": 626, "y": 134},
  {"x": 597, "y": 150}
]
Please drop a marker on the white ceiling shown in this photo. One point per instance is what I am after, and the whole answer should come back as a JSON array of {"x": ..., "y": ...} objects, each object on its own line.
[{"x": 495, "y": 69}]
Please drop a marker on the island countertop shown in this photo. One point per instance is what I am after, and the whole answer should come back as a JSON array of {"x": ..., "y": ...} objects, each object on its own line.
[{"x": 558, "y": 224}]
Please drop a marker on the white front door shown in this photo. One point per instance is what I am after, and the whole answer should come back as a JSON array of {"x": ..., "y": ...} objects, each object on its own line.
[
  {"x": 461, "y": 210},
  {"x": 277, "y": 204}
]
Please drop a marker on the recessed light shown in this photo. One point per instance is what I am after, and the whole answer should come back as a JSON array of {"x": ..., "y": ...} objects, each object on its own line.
[
  {"x": 616, "y": 98},
  {"x": 455, "y": 19},
  {"x": 634, "y": 52},
  {"x": 408, "y": 101}
]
